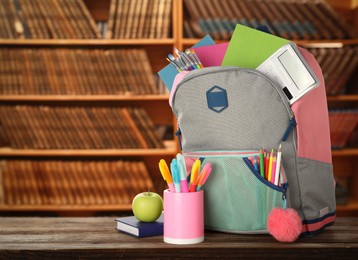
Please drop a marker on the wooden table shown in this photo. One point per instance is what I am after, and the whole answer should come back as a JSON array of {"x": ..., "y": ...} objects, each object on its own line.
[{"x": 96, "y": 238}]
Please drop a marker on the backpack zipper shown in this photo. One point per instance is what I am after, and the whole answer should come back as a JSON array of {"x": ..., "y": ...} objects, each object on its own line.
[
  {"x": 178, "y": 135},
  {"x": 224, "y": 153},
  {"x": 292, "y": 123}
]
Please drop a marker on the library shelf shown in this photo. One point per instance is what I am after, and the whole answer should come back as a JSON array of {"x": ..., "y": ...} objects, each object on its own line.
[
  {"x": 156, "y": 106},
  {"x": 129, "y": 97},
  {"x": 170, "y": 149},
  {"x": 343, "y": 98},
  {"x": 345, "y": 152},
  {"x": 349, "y": 209},
  {"x": 306, "y": 43},
  {"x": 84, "y": 42},
  {"x": 71, "y": 209}
]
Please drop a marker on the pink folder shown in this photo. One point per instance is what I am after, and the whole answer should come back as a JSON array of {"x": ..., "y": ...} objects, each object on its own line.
[{"x": 211, "y": 55}]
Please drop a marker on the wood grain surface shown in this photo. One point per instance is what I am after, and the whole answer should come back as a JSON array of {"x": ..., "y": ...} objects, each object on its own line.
[{"x": 96, "y": 238}]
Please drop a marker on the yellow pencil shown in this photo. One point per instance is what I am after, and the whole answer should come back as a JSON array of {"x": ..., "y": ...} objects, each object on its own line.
[{"x": 270, "y": 166}]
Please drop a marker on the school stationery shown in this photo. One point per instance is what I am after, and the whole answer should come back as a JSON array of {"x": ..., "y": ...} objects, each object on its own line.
[
  {"x": 204, "y": 175},
  {"x": 192, "y": 54},
  {"x": 185, "y": 61},
  {"x": 164, "y": 170},
  {"x": 182, "y": 173},
  {"x": 211, "y": 55},
  {"x": 131, "y": 225},
  {"x": 168, "y": 73},
  {"x": 290, "y": 70},
  {"x": 248, "y": 47},
  {"x": 262, "y": 165},
  {"x": 184, "y": 217},
  {"x": 272, "y": 167},
  {"x": 194, "y": 176},
  {"x": 278, "y": 165},
  {"x": 176, "y": 175}
]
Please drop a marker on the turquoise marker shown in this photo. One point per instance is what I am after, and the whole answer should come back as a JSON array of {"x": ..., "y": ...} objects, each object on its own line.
[
  {"x": 176, "y": 176},
  {"x": 182, "y": 172}
]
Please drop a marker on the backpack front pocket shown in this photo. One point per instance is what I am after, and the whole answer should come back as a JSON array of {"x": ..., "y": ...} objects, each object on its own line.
[{"x": 237, "y": 198}]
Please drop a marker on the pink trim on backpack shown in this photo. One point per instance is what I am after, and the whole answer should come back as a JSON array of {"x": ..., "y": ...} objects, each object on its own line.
[
  {"x": 178, "y": 78},
  {"x": 311, "y": 114},
  {"x": 317, "y": 226}
]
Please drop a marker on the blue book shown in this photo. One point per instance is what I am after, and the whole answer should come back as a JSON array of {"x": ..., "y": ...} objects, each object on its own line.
[{"x": 131, "y": 225}]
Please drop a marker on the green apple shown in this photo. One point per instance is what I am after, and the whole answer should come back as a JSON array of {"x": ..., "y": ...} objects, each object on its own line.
[{"x": 147, "y": 206}]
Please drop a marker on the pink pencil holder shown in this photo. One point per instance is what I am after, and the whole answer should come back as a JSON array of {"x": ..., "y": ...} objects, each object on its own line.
[{"x": 183, "y": 217}]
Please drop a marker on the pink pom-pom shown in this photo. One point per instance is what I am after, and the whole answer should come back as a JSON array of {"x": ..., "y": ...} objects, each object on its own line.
[{"x": 284, "y": 224}]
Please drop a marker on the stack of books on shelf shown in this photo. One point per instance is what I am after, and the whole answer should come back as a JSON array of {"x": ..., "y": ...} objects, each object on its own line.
[
  {"x": 338, "y": 65},
  {"x": 85, "y": 183},
  {"x": 298, "y": 19},
  {"x": 343, "y": 123},
  {"x": 130, "y": 19},
  {"x": 75, "y": 72},
  {"x": 57, "y": 127},
  {"x": 46, "y": 19}
]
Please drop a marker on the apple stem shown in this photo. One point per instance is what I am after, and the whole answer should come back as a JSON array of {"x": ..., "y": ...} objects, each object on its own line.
[{"x": 148, "y": 191}]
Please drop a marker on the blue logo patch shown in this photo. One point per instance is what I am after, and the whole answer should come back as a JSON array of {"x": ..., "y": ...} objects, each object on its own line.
[{"x": 217, "y": 99}]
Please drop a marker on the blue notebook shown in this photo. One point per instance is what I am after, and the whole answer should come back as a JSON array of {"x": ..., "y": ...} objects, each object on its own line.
[{"x": 131, "y": 225}]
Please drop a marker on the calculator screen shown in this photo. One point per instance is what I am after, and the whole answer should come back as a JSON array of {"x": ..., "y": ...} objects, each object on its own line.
[{"x": 295, "y": 69}]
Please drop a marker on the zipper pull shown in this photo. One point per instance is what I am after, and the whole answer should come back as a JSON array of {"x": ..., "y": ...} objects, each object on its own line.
[
  {"x": 292, "y": 123},
  {"x": 178, "y": 134},
  {"x": 284, "y": 186}
]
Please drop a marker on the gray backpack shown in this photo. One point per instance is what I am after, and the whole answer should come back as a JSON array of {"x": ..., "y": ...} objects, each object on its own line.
[{"x": 225, "y": 115}]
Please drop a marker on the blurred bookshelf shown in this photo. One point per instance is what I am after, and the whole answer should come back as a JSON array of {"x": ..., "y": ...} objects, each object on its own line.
[{"x": 84, "y": 119}]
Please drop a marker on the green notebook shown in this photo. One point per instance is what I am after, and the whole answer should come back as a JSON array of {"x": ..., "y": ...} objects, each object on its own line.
[{"x": 249, "y": 47}]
